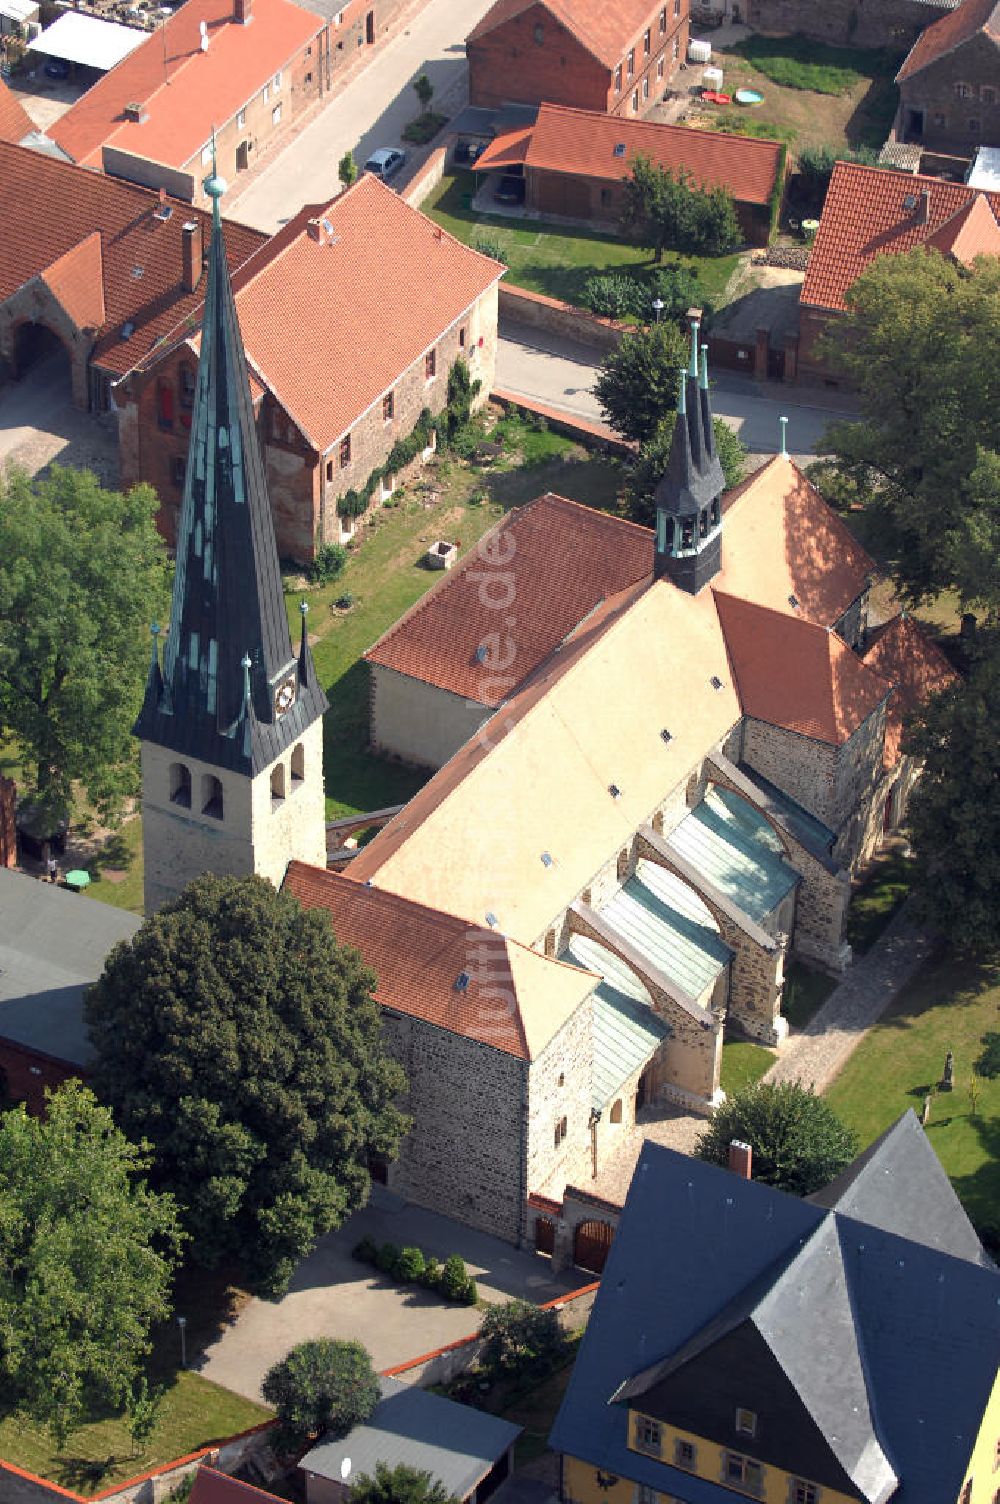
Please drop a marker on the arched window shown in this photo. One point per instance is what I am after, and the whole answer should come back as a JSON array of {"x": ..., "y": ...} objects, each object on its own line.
[
  {"x": 616, "y": 1111},
  {"x": 211, "y": 796},
  {"x": 180, "y": 784},
  {"x": 278, "y": 783},
  {"x": 298, "y": 763}
]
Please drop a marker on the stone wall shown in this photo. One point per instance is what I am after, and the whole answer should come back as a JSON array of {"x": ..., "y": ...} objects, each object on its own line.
[
  {"x": 519, "y": 306},
  {"x": 894, "y": 24},
  {"x": 418, "y": 722},
  {"x": 953, "y": 105},
  {"x": 35, "y": 304},
  {"x": 858, "y": 771},
  {"x": 559, "y": 1086},
  {"x": 805, "y": 769}
]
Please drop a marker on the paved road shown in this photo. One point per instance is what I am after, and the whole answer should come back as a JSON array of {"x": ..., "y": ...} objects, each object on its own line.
[
  {"x": 561, "y": 374},
  {"x": 369, "y": 111}
]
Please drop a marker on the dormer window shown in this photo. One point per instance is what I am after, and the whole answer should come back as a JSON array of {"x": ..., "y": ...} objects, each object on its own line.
[{"x": 746, "y": 1420}]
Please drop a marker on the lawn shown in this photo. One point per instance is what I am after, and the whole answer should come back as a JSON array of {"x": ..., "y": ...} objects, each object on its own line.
[
  {"x": 193, "y": 1413},
  {"x": 877, "y": 897},
  {"x": 798, "y": 62},
  {"x": 743, "y": 1063},
  {"x": 950, "y": 1005},
  {"x": 555, "y": 260}
]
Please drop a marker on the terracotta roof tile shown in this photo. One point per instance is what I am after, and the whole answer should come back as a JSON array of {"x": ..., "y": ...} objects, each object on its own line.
[
  {"x": 201, "y": 89},
  {"x": 604, "y": 30},
  {"x": 949, "y": 32},
  {"x": 866, "y": 215},
  {"x": 795, "y": 674},
  {"x": 379, "y": 295},
  {"x": 140, "y": 253},
  {"x": 558, "y": 560},
  {"x": 15, "y": 122},
  {"x": 583, "y": 142},
  {"x": 469, "y": 979},
  {"x": 212, "y": 1487},
  {"x": 903, "y": 653},
  {"x": 972, "y": 232},
  {"x": 77, "y": 280}
]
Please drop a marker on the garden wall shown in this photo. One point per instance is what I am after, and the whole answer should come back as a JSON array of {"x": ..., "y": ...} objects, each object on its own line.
[
  {"x": 427, "y": 177},
  {"x": 518, "y": 306}
]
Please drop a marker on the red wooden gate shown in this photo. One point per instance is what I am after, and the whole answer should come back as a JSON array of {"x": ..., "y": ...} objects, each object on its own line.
[{"x": 591, "y": 1245}]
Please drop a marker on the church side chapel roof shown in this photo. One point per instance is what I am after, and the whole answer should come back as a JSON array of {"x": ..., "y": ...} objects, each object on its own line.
[
  {"x": 430, "y": 965},
  {"x": 902, "y": 652},
  {"x": 867, "y": 1350}
]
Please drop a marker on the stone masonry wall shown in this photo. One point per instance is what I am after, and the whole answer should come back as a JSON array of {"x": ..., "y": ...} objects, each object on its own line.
[
  {"x": 859, "y": 23},
  {"x": 858, "y": 768},
  {"x": 959, "y": 98},
  {"x": 559, "y": 1086},
  {"x": 806, "y": 770},
  {"x": 35, "y": 304}
]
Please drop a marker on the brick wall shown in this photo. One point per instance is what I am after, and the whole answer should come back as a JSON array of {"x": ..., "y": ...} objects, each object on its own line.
[
  {"x": 27, "y": 1073},
  {"x": 601, "y": 201},
  {"x": 508, "y": 64},
  {"x": 955, "y": 121}
]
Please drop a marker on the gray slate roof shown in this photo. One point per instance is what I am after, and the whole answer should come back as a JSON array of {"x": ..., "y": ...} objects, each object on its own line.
[
  {"x": 53, "y": 944},
  {"x": 887, "y": 1344},
  {"x": 455, "y": 1443}
]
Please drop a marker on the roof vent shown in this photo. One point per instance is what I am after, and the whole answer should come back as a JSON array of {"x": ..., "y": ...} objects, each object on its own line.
[
  {"x": 128, "y": 330},
  {"x": 546, "y": 859},
  {"x": 164, "y": 212},
  {"x": 793, "y": 601},
  {"x": 136, "y": 111},
  {"x": 481, "y": 653},
  {"x": 491, "y": 919},
  {"x": 462, "y": 981},
  {"x": 619, "y": 150},
  {"x": 614, "y": 791},
  {"x": 138, "y": 272},
  {"x": 715, "y": 682},
  {"x": 665, "y": 735},
  {"x": 910, "y": 201}
]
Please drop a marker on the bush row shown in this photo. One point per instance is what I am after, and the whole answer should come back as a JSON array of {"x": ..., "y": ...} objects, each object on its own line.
[{"x": 410, "y": 1266}]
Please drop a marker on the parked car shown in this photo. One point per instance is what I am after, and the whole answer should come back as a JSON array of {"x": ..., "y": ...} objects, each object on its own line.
[
  {"x": 510, "y": 190},
  {"x": 385, "y": 162},
  {"x": 56, "y": 67}
]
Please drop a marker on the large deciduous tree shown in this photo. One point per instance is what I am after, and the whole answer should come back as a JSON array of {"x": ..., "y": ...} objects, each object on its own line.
[
  {"x": 322, "y": 1387},
  {"x": 919, "y": 343},
  {"x": 82, "y": 573},
  {"x": 798, "y": 1142},
  {"x": 87, "y": 1252},
  {"x": 401, "y": 1484},
  {"x": 244, "y": 1043},
  {"x": 637, "y": 383},
  {"x": 662, "y": 211}
]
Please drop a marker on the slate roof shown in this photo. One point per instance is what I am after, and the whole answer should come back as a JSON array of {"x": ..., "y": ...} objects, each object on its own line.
[
  {"x": 513, "y": 999},
  {"x": 15, "y": 122},
  {"x": 185, "y": 91},
  {"x": 949, "y": 32},
  {"x": 885, "y": 1346},
  {"x": 604, "y": 30},
  {"x": 902, "y": 652},
  {"x": 228, "y": 647},
  {"x": 140, "y": 261},
  {"x": 452, "y": 1442},
  {"x": 874, "y": 211},
  {"x": 583, "y": 143},
  {"x": 53, "y": 944}
]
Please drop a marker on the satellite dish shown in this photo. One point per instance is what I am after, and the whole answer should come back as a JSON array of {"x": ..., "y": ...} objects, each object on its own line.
[{"x": 345, "y": 1469}]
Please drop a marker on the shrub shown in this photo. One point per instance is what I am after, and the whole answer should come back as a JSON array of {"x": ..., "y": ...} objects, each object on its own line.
[
  {"x": 815, "y": 168},
  {"x": 398, "y": 1485},
  {"x": 410, "y": 1265},
  {"x": 518, "y": 1337},
  {"x": 321, "y": 1386},
  {"x": 353, "y": 503},
  {"x": 454, "y": 1278},
  {"x": 471, "y": 1295},
  {"x": 344, "y": 602},
  {"x": 613, "y": 295},
  {"x": 988, "y": 1064},
  {"x": 365, "y": 1252},
  {"x": 431, "y": 1276},
  {"x": 489, "y": 245},
  {"x": 329, "y": 561},
  {"x": 387, "y": 1258},
  {"x": 461, "y": 392}
]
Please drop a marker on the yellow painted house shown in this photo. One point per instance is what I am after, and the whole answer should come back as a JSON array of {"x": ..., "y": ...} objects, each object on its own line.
[{"x": 748, "y": 1344}]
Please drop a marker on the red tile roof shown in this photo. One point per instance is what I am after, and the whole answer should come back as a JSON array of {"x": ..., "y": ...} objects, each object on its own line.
[
  {"x": 212, "y": 1487},
  {"x": 866, "y": 215},
  {"x": 191, "y": 91},
  {"x": 792, "y": 673},
  {"x": 77, "y": 279},
  {"x": 584, "y": 142},
  {"x": 419, "y": 954},
  {"x": 972, "y": 232},
  {"x": 555, "y": 558},
  {"x": 14, "y": 119},
  {"x": 903, "y": 653},
  {"x": 604, "y": 30},
  {"x": 47, "y": 208},
  {"x": 951, "y": 31}
]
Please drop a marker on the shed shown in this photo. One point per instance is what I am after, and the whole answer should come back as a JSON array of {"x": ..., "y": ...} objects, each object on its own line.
[{"x": 468, "y": 1450}]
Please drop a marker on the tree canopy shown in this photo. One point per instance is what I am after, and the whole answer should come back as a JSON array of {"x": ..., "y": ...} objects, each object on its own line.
[
  {"x": 661, "y": 210},
  {"x": 919, "y": 344},
  {"x": 399, "y": 1485},
  {"x": 322, "y": 1387},
  {"x": 82, "y": 573},
  {"x": 87, "y": 1252},
  {"x": 637, "y": 383},
  {"x": 954, "y": 810},
  {"x": 647, "y": 470},
  {"x": 798, "y": 1142},
  {"x": 518, "y": 1336},
  {"x": 238, "y": 1037}
]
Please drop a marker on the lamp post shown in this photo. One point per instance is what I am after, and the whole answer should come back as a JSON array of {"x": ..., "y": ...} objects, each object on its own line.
[
  {"x": 182, "y": 1323},
  {"x": 658, "y": 306}
]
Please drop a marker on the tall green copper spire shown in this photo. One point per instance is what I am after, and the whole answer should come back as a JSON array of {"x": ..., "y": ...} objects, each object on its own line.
[{"x": 232, "y": 690}]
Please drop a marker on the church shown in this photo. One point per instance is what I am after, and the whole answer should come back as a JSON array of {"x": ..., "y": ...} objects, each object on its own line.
[{"x": 660, "y": 755}]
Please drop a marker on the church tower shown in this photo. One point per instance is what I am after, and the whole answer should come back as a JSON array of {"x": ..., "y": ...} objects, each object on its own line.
[
  {"x": 689, "y": 497},
  {"x": 231, "y": 726}
]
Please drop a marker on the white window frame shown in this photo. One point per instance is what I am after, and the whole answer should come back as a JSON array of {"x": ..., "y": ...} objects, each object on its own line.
[
  {"x": 276, "y": 114},
  {"x": 277, "y": 81},
  {"x": 266, "y": 92},
  {"x": 241, "y": 117}
]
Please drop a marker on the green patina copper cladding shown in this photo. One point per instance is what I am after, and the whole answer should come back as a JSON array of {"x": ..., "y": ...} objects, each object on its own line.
[
  {"x": 627, "y": 1033},
  {"x": 737, "y": 851},
  {"x": 228, "y": 647}
]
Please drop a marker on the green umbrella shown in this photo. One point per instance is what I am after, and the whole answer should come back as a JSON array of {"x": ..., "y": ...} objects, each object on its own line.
[{"x": 78, "y": 878}]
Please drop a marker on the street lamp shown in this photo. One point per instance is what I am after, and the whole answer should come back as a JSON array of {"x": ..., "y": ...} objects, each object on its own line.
[
  {"x": 182, "y": 1323},
  {"x": 658, "y": 306}
]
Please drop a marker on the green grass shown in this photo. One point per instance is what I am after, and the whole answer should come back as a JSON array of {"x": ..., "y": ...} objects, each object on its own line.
[
  {"x": 98, "y": 1455},
  {"x": 743, "y": 1063},
  {"x": 877, "y": 897},
  {"x": 949, "y": 1006},
  {"x": 555, "y": 260},
  {"x": 805, "y": 993},
  {"x": 739, "y": 123},
  {"x": 798, "y": 62},
  {"x": 123, "y": 853}
]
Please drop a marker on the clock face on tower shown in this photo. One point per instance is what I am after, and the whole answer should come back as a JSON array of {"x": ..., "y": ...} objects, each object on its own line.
[{"x": 284, "y": 695}]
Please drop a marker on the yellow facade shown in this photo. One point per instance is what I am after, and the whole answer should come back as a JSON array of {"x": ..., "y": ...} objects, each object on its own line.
[{"x": 983, "y": 1471}]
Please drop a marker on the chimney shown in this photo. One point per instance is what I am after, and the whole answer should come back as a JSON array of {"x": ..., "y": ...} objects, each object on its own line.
[
  {"x": 191, "y": 254},
  {"x": 136, "y": 112},
  {"x": 924, "y": 206},
  {"x": 741, "y": 1159},
  {"x": 243, "y": 12}
]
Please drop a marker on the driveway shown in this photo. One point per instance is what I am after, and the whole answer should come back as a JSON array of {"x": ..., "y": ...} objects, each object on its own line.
[
  {"x": 561, "y": 374},
  {"x": 334, "y": 1296},
  {"x": 369, "y": 111},
  {"x": 39, "y": 425}
]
